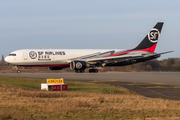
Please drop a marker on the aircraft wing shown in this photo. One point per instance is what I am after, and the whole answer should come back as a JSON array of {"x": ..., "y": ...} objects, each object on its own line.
[
  {"x": 157, "y": 54},
  {"x": 114, "y": 58},
  {"x": 122, "y": 57}
]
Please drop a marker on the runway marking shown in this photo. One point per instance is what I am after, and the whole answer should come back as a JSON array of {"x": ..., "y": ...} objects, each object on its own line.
[
  {"x": 136, "y": 83},
  {"x": 140, "y": 84},
  {"x": 163, "y": 87},
  {"x": 155, "y": 92},
  {"x": 104, "y": 80}
]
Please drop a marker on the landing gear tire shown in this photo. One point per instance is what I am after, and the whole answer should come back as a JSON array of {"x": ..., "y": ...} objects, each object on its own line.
[
  {"x": 93, "y": 70},
  {"x": 79, "y": 71},
  {"x": 18, "y": 71},
  {"x": 96, "y": 70},
  {"x": 17, "y": 68}
]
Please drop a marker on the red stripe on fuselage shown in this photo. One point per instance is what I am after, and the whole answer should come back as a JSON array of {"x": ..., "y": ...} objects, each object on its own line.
[
  {"x": 150, "y": 49},
  {"x": 46, "y": 65}
]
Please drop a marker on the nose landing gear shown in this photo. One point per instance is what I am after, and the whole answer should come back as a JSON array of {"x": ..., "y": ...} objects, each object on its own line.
[
  {"x": 18, "y": 71},
  {"x": 17, "y": 68}
]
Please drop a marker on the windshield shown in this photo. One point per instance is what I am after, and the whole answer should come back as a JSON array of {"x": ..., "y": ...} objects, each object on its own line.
[{"x": 12, "y": 54}]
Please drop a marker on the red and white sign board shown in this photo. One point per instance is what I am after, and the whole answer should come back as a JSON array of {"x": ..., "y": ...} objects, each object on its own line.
[
  {"x": 59, "y": 87},
  {"x": 56, "y": 87}
]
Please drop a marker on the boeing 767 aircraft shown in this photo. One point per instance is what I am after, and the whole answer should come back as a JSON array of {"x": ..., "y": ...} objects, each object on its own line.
[{"x": 80, "y": 59}]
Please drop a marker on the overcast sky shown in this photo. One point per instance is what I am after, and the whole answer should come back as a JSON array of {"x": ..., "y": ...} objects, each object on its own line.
[{"x": 93, "y": 24}]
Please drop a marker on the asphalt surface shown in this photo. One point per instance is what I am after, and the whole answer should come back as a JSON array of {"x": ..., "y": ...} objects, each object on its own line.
[{"x": 164, "y": 85}]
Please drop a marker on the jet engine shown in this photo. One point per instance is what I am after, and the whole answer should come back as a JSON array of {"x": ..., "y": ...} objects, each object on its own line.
[{"x": 79, "y": 65}]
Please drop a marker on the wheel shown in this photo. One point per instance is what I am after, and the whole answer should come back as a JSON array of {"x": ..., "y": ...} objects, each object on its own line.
[
  {"x": 77, "y": 71},
  {"x": 18, "y": 71},
  {"x": 90, "y": 70},
  {"x": 81, "y": 71},
  {"x": 93, "y": 70},
  {"x": 96, "y": 70}
]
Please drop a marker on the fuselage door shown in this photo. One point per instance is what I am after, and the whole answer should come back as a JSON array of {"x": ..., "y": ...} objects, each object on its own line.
[{"x": 25, "y": 56}]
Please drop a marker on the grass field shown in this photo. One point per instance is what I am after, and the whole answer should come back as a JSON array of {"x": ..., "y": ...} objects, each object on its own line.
[{"x": 21, "y": 98}]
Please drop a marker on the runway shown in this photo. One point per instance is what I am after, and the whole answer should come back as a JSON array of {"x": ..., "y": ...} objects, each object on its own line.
[
  {"x": 145, "y": 77},
  {"x": 164, "y": 85}
]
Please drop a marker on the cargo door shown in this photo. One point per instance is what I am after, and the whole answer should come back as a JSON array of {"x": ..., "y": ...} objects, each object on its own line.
[{"x": 25, "y": 56}]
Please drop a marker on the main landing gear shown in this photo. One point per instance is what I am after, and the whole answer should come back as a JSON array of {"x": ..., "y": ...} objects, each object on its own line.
[
  {"x": 93, "y": 70},
  {"x": 79, "y": 71},
  {"x": 90, "y": 71}
]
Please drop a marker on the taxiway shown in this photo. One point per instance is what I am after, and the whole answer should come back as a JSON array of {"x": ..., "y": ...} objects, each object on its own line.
[
  {"x": 145, "y": 77},
  {"x": 164, "y": 85}
]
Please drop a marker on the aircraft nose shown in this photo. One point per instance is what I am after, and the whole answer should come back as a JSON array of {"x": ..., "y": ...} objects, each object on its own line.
[{"x": 7, "y": 59}]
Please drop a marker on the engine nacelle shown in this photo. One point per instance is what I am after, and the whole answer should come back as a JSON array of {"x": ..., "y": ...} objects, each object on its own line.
[
  {"x": 58, "y": 67},
  {"x": 79, "y": 65}
]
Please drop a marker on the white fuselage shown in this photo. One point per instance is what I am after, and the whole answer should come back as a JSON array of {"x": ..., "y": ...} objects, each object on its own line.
[{"x": 51, "y": 56}]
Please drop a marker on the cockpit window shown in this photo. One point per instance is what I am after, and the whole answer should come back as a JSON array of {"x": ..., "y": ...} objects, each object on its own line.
[{"x": 12, "y": 54}]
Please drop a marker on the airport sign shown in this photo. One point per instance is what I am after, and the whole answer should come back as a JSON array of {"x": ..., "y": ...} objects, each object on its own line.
[{"x": 55, "y": 81}]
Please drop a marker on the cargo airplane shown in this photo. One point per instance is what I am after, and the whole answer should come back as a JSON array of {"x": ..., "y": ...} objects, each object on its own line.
[{"x": 80, "y": 59}]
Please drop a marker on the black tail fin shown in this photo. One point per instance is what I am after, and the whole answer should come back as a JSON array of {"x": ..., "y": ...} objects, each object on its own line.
[{"x": 150, "y": 41}]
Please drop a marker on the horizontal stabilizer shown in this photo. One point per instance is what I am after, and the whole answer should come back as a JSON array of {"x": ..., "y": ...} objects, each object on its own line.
[{"x": 157, "y": 54}]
